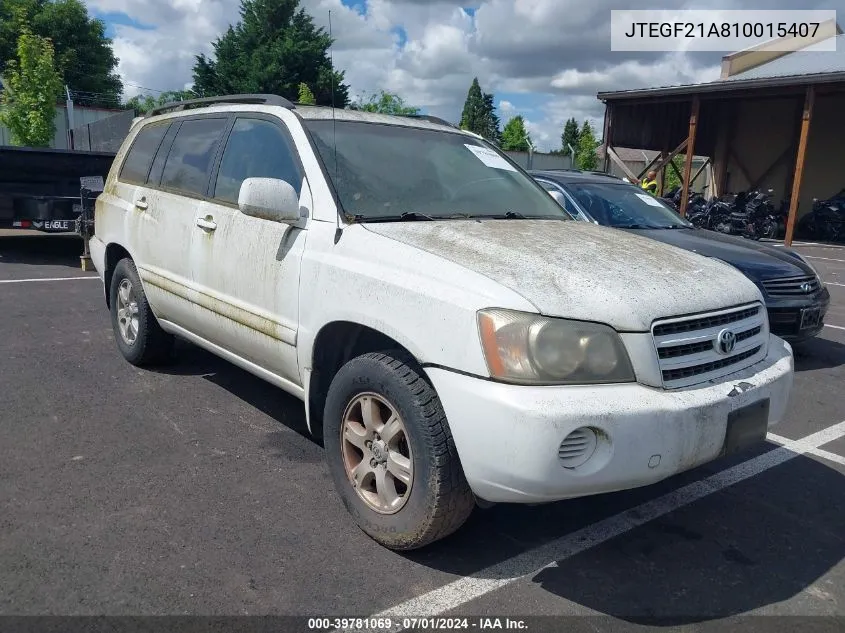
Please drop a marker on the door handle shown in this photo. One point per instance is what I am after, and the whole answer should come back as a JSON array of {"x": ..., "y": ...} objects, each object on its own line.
[
  {"x": 141, "y": 203},
  {"x": 207, "y": 223}
]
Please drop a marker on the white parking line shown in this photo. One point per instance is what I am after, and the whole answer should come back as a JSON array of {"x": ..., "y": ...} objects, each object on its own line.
[
  {"x": 459, "y": 592},
  {"x": 830, "y": 283},
  {"x": 23, "y": 281},
  {"x": 819, "y": 244},
  {"x": 827, "y": 259},
  {"x": 818, "y": 452},
  {"x": 835, "y": 327}
]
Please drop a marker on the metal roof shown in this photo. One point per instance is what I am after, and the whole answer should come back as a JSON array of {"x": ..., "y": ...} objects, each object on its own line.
[
  {"x": 809, "y": 61},
  {"x": 797, "y": 68}
]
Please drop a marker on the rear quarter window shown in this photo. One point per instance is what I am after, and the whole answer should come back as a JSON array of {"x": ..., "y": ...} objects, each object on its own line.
[
  {"x": 136, "y": 167},
  {"x": 191, "y": 155}
]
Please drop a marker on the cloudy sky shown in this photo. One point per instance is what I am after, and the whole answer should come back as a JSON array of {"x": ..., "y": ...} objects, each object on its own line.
[{"x": 544, "y": 59}]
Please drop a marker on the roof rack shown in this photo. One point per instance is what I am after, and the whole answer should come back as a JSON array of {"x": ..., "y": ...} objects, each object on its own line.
[
  {"x": 260, "y": 99},
  {"x": 430, "y": 119}
]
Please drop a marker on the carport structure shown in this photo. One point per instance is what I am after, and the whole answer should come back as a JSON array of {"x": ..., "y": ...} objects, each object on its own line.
[{"x": 778, "y": 125}]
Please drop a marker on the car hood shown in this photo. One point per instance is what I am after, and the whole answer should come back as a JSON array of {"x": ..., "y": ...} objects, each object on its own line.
[
  {"x": 757, "y": 260},
  {"x": 581, "y": 271}
]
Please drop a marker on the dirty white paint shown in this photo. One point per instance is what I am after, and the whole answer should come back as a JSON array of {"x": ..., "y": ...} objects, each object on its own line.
[
  {"x": 507, "y": 436},
  {"x": 582, "y": 271},
  {"x": 459, "y": 592}
]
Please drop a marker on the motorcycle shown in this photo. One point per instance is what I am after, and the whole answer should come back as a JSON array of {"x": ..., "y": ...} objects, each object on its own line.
[{"x": 826, "y": 220}]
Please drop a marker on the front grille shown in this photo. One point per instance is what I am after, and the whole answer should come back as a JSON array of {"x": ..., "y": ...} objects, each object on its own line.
[
  {"x": 784, "y": 321},
  {"x": 791, "y": 286},
  {"x": 704, "y": 368},
  {"x": 695, "y": 348},
  {"x": 688, "y": 348},
  {"x": 701, "y": 323}
]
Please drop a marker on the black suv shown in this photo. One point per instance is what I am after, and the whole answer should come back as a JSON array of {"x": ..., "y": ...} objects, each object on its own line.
[{"x": 796, "y": 297}]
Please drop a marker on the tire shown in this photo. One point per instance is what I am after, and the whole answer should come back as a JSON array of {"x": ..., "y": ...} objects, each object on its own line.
[
  {"x": 439, "y": 499},
  {"x": 151, "y": 345}
]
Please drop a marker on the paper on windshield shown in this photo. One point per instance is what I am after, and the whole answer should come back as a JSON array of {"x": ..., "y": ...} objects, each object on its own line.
[
  {"x": 649, "y": 199},
  {"x": 489, "y": 157}
]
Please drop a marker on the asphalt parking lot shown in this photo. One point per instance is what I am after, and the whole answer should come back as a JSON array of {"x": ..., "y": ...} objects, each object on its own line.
[{"x": 195, "y": 490}]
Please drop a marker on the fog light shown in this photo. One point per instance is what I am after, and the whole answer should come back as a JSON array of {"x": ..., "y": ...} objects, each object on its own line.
[{"x": 577, "y": 447}]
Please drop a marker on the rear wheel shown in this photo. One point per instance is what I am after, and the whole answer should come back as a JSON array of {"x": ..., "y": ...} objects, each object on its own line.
[
  {"x": 391, "y": 453},
  {"x": 138, "y": 335}
]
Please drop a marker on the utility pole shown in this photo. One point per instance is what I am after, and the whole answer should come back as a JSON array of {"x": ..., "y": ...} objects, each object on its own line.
[{"x": 70, "y": 125}]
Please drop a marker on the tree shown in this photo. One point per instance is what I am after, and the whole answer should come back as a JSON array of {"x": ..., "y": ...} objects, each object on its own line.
[
  {"x": 479, "y": 114},
  {"x": 672, "y": 178},
  {"x": 306, "y": 97},
  {"x": 472, "y": 117},
  {"x": 515, "y": 137},
  {"x": 385, "y": 103},
  {"x": 32, "y": 87},
  {"x": 83, "y": 54},
  {"x": 586, "y": 157},
  {"x": 273, "y": 49},
  {"x": 493, "y": 126},
  {"x": 569, "y": 138},
  {"x": 142, "y": 104}
]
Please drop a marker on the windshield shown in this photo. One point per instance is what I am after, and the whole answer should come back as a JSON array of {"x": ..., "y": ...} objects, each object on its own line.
[
  {"x": 385, "y": 171},
  {"x": 625, "y": 206}
]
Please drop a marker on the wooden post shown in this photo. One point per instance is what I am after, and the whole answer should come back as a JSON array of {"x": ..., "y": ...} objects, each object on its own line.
[
  {"x": 661, "y": 185},
  {"x": 693, "y": 124},
  {"x": 609, "y": 151},
  {"x": 809, "y": 99},
  {"x": 608, "y": 114}
]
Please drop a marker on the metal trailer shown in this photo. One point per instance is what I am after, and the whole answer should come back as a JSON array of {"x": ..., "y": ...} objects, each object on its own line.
[{"x": 51, "y": 190}]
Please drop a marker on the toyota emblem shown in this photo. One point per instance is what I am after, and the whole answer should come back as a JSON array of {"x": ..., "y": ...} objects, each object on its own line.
[{"x": 725, "y": 342}]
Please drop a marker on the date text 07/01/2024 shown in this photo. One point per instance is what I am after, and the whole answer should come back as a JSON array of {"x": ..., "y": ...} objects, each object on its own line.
[
  {"x": 722, "y": 29},
  {"x": 417, "y": 624}
]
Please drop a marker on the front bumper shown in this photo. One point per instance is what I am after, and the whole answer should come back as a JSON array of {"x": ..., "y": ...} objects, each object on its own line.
[
  {"x": 785, "y": 316},
  {"x": 508, "y": 436}
]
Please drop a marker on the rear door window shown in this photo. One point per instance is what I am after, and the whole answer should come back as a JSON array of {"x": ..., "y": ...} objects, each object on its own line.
[
  {"x": 191, "y": 155},
  {"x": 256, "y": 149},
  {"x": 136, "y": 167}
]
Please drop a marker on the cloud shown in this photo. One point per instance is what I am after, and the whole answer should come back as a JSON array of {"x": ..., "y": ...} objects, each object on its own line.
[{"x": 544, "y": 59}]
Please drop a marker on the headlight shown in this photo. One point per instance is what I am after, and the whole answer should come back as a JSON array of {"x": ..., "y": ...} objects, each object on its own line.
[
  {"x": 810, "y": 266},
  {"x": 531, "y": 349}
]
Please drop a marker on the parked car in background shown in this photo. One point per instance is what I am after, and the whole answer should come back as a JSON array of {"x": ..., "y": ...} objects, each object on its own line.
[
  {"x": 796, "y": 297},
  {"x": 454, "y": 336}
]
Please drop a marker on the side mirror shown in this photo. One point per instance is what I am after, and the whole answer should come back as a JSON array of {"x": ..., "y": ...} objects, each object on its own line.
[
  {"x": 269, "y": 199},
  {"x": 558, "y": 196}
]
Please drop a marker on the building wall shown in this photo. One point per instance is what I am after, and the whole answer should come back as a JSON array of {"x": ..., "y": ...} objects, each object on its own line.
[
  {"x": 81, "y": 116},
  {"x": 824, "y": 168},
  {"x": 540, "y": 161},
  {"x": 105, "y": 135},
  {"x": 764, "y": 130},
  {"x": 761, "y": 131}
]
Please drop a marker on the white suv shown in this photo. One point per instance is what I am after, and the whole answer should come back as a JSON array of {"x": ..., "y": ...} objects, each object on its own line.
[{"x": 454, "y": 336}]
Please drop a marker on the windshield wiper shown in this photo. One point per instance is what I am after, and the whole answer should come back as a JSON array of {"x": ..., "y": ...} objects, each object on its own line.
[
  {"x": 402, "y": 217},
  {"x": 635, "y": 226},
  {"x": 516, "y": 215}
]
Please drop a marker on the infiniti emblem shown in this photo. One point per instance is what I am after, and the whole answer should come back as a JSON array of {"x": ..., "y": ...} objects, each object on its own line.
[
  {"x": 806, "y": 286},
  {"x": 725, "y": 342}
]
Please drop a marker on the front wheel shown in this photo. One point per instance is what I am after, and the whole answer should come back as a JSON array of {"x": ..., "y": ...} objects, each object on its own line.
[{"x": 391, "y": 453}]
